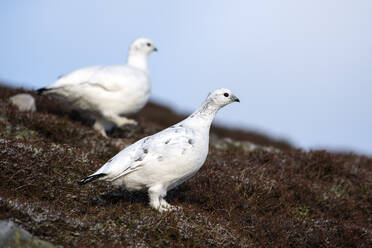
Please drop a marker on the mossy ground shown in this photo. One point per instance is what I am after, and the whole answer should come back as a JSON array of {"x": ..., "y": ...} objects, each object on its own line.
[{"x": 289, "y": 198}]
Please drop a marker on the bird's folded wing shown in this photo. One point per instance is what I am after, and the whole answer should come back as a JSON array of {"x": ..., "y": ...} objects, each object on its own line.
[
  {"x": 108, "y": 78},
  {"x": 166, "y": 144}
]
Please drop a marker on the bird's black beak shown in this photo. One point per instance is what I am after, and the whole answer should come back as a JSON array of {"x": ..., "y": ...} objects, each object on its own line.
[
  {"x": 235, "y": 99},
  {"x": 155, "y": 49}
]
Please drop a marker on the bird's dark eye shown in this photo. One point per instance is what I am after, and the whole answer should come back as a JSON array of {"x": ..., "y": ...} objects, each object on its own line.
[
  {"x": 148, "y": 44},
  {"x": 226, "y": 94}
]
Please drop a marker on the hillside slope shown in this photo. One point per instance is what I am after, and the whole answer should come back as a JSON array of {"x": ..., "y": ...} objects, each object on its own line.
[{"x": 272, "y": 197}]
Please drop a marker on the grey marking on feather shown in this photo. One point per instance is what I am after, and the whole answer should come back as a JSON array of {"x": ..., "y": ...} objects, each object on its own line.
[
  {"x": 191, "y": 141},
  {"x": 160, "y": 158},
  {"x": 126, "y": 171},
  {"x": 145, "y": 150},
  {"x": 205, "y": 110},
  {"x": 183, "y": 151},
  {"x": 167, "y": 141},
  {"x": 97, "y": 85},
  {"x": 138, "y": 159}
]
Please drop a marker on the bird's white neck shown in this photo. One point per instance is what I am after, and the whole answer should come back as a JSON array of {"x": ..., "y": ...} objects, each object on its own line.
[
  {"x": 203, "y": 116},
  {"x": 137, "y": 60}
]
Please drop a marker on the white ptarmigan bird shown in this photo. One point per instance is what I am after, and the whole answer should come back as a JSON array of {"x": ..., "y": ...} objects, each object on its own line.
[
  {"x": 108, "y": 93},
  {"x": 166, "y": 159}
]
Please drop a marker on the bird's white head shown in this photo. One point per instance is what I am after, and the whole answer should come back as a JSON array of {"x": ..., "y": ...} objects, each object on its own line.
[
  {"x": 215, "y": 100},
  {"x": 138, "y": 52},
  {"x": 142, "y": 46},
  {"x": 222, "y": 97}
]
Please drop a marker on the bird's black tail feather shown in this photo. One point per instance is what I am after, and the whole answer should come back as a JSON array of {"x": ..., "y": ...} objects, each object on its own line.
[
  {"x": 41, "y": 91},
  {"x": 91, "y": 178}
]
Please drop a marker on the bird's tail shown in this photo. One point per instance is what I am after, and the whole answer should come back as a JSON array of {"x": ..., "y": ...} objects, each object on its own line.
[
  {"x": 91, "y": 178},
  {"x": 41, "y": 91}
]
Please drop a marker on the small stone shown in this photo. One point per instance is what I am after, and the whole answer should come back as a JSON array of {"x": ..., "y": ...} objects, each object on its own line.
[{"x": 24, "y": 102}]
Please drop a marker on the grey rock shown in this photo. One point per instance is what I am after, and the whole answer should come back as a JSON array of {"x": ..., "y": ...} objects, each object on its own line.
[
  {"x": 24, "y": 102},
  {"x": 11, "y": 235}
]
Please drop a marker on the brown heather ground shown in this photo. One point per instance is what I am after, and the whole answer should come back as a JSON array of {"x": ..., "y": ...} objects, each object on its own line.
[{"x": 289, "y": 198}]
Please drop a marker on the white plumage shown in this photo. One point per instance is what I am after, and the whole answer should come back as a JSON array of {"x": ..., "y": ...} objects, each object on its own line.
[
  {"x": 106, "y": 93},
  {"x": 166, "y": 159}
]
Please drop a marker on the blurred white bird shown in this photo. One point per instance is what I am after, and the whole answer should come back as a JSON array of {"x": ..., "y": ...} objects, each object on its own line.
[
  {"x": 106, "y": 93},
  {"x": 166, "y": 159}
]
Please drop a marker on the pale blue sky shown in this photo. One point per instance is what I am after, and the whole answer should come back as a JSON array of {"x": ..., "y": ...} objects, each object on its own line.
[{"x": 302, "y": 69}]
